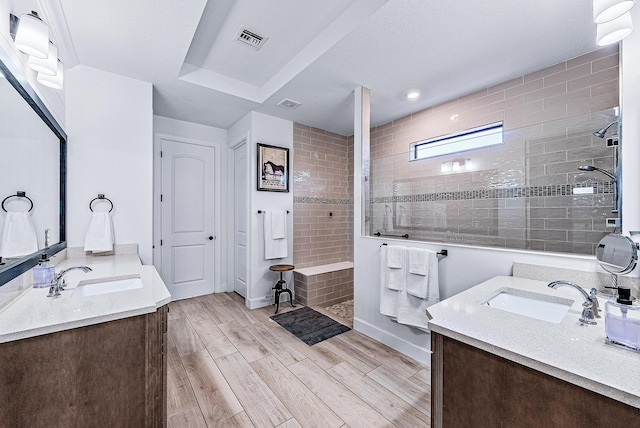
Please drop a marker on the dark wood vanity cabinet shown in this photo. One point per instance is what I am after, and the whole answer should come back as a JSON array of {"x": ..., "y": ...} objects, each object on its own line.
[
  {"x": 111, "y": 374},
  {"x": 474, "y": 388}
]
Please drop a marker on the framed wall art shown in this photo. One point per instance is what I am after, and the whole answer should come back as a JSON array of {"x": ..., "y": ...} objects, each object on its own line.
[{"x": 273, "y": 168}]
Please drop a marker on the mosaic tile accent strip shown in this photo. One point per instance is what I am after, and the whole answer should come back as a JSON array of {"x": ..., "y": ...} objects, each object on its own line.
[
  {"x": 508, "y": 193},
  {"x": 325, "y": 201}
]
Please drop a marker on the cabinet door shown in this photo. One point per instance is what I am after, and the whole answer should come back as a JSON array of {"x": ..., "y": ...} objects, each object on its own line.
[
  {"x": 108, "y": 374},
  {"x": 472, "y": 387}
]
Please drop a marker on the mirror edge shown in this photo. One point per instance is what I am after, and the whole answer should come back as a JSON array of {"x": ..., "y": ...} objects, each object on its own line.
[{"x": 22, "y": 85}]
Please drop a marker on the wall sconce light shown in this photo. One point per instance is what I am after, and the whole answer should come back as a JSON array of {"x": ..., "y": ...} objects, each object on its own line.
[
  {"x": 606, "y": 10},
  {"x": 48, "y": 65},
  {"x": 460, "y": 165},
  {"x": 613, "y": 20},
  {"x": 32, "y": 36},
  {"x": 56, "y": 81},
  {"x": 615, "y": 30}
]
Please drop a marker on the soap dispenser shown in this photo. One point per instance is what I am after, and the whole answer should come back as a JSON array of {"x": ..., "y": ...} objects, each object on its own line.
[
  {"x": 622, "y": 321},
  {"x": 43, "y": 273}
]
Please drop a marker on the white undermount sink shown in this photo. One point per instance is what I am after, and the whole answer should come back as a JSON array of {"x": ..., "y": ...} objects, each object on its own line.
[
  {"x": 532, "y": 305},
  {"x": 95, "y": 287}
]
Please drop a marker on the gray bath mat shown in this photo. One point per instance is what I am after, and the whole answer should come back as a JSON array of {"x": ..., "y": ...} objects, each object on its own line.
[{"x": 309, "y": 326}]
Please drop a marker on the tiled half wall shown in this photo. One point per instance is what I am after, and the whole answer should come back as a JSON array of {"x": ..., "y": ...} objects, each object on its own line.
[{"x": 516, "y": 195}]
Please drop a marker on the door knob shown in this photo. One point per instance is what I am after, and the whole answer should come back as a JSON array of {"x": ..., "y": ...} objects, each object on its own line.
[{"x": 210, "y": 238}]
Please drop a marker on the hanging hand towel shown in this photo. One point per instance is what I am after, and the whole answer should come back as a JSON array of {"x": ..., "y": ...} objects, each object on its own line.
[
  {"x": 403, "y": 217},
  {"x": 18, "y": 235},
  {"x": 388, "y": 296},
  {"x": 387, "y": 220},
  {"x": 278, "y": 225},
  {"x": 422, "y": 281},
  {"x": 395, "y": 267},
  {"x": 273, "y": 248},
  {"x": 395, "y": 256},
  {"x": 99, "y": 236},
  {"x": 419, "y": 261}
]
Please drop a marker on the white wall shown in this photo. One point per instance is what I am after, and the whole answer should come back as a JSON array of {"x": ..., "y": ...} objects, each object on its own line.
[
  {"x": 202, "y": 135},
  {"x": 110, "y": 151},
  {"x": 260, "y": 128}
]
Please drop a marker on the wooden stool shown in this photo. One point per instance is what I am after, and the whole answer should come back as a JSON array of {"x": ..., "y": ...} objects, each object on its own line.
[{"x": 281, "y": 285}]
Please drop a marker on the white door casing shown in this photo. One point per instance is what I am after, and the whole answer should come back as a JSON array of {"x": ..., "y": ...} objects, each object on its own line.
[
  {"x": 187, "y": 211},
  {"x": 240, "y": 222}
]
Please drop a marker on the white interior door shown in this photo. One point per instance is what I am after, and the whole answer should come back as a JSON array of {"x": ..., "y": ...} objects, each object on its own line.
[
  {"x": 187, "y": 218},
  {"x": 240, "y": 220}
]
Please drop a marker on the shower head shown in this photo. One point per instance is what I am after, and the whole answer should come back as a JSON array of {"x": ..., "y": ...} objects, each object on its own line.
[
  {"x": 595, "y": 168},
  {"x": 600, "y": 132}
]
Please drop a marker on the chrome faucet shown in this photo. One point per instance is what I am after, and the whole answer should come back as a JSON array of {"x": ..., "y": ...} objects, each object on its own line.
[
  {"x": 590, "y": 304},
  {"x": 58, "y": 283}
]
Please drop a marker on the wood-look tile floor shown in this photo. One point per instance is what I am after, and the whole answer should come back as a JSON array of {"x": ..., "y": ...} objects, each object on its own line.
[{"x": 232, "y": 367}]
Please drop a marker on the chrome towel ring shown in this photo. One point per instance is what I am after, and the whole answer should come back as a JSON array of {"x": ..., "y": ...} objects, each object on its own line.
[
  {"x": 19, "y": 194},
  {"x": 103, "y": 198}
]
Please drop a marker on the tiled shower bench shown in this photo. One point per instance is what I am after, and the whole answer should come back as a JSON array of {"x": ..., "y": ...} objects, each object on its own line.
[{"x": 324, "y": 285}]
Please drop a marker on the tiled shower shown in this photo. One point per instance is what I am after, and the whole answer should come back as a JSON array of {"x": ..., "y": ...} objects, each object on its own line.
[
  {"x": 524, "y": 194},
  {"x": 322, "y": 197}
]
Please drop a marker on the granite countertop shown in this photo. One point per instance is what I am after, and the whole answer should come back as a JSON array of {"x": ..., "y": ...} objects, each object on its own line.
[
  {"x": 34, "y": 314},
  {"x": 569, "y": 350}
]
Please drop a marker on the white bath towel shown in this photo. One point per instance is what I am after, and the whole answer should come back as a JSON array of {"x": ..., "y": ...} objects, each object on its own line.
[
  {"x": 18, "y": 235},
  {"x": 421, "y": 290},
  {"x": 99, "y": 236},
  {"x": 412, "y": 311},
  {"x": 273, "y": 248},
  {"x": 278, "y": 225},
  {"x": 388, "y": 297}
]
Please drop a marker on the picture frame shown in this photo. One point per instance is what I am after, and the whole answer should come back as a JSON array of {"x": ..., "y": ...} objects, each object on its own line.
[{"x": 273, "y": 168}]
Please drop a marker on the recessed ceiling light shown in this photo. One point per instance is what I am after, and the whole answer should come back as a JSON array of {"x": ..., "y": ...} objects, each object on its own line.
[{"x": 412, "y": 94}]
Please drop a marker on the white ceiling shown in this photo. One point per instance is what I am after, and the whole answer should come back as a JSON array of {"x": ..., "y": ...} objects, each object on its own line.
[{"x": 317, "y": 52}]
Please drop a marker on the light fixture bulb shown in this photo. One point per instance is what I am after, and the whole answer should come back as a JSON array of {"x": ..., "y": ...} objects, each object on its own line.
[
  {"x": 614, "y": 31},
  {"x": 56, "y": 81},
  {"x": 607, "y": 10},
  {"x": 32, "y": 36},
  {"x": 48, "y": 65}
]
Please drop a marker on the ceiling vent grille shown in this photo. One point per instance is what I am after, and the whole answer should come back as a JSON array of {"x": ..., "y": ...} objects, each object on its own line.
[
  {"x": 251, "y": 39},
  {"x": 288, "y": 104}
]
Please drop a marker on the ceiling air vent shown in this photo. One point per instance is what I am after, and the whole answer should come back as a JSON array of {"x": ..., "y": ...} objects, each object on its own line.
[
  {"x": 288, "y": 104},
  {"x": 250, "y": 38}
]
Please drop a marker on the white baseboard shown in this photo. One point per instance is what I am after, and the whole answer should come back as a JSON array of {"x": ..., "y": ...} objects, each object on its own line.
[{"x": 422, "y": 355}]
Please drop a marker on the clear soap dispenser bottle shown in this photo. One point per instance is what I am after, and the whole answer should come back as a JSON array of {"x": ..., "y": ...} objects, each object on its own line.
[
  {"x": 622, "y": 321},
  {"x": 43, "y": 273}
]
